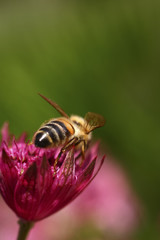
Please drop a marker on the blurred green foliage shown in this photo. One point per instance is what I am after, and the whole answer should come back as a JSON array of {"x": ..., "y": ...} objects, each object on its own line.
[{"x": 100, "y": 56}]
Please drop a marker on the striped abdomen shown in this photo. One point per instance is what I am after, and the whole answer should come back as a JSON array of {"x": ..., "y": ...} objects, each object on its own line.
[{"x": 54, "y": 133}]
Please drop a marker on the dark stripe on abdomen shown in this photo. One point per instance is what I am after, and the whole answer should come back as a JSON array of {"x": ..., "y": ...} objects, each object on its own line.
[
  {"x": 58, "y": 129},
  {"x": 51, "y": 134},
  {"x": 67, "y": 133},
  {"x": 41, "y": 143}
]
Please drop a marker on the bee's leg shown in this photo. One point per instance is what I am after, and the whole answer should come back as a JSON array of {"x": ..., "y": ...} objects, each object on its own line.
[
  {"x": 66, "y": 147},
  {"x": 84, "y": 146},
  {"x": 69, "y": 144},
  {"x": 83, "y": 149}
]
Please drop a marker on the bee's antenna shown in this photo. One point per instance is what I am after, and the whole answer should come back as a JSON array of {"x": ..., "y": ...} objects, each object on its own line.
[{"x": 55, "y": 105}]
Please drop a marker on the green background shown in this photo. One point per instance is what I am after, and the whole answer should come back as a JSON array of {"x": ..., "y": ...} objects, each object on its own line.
[{"x": 99, "y": 56}]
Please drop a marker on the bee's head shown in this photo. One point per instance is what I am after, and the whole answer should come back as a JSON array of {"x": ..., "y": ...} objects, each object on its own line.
[{"x": 79, "y": 121}]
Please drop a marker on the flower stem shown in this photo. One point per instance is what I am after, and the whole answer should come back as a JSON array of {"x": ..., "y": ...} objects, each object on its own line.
[{"x": 24, "y": 227}]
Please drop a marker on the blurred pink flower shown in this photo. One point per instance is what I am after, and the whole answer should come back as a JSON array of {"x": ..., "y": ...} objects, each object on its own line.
[
  {"x": 30, "y": 183},
  {"x": 9, "y": 226},
  {"x": 109, "y": 202}
]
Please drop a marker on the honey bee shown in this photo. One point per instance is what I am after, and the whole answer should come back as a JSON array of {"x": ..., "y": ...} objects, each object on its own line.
[{"x": 67, "y": 131}]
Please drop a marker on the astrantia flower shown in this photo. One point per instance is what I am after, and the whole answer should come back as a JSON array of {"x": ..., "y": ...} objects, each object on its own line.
[{"x": 30, "y": 182}]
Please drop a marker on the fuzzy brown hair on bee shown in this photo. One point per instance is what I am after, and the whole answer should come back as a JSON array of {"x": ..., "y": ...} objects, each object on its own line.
[{"x": 67, "y": 131}]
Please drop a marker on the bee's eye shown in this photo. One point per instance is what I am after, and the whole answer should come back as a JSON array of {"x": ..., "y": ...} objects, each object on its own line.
[{"x": 77, "y": 123}]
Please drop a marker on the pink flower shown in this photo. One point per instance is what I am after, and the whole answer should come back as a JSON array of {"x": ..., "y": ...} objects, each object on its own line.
[
  {"x": 30, "y": 183},
  {"x": 109, "y": 202}
]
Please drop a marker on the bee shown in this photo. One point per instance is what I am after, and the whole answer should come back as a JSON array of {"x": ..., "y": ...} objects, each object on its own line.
[{"x": 67, "y": 131}]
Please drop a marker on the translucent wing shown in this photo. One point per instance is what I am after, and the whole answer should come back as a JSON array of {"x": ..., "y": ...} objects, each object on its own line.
[
  {"x": 55, "y": 105},
  {"x": 94, "y": 120}
]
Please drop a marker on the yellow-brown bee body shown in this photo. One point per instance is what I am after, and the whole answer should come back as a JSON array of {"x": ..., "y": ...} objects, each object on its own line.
[
  {"x": 59, "y": 131},
  {"x": 67, "y": 131}
]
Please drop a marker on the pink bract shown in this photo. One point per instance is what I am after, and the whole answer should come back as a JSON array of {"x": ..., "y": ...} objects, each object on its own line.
[{"x": 30, "y": 183}]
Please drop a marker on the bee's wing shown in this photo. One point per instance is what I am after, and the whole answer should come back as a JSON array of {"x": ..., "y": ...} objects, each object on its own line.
[
  {"x": 94, "y": 120},
  {"x": 55, "y": 105}
]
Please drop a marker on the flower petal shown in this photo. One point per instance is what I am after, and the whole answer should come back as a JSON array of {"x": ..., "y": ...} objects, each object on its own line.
[
  {"x": 62, "y": 182},
  {"x": 33, "y": 191},
  {"x": 26, "y": 195},
  {"x": 8, "y": 178},
  {"x": 5, "y": 132}
]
